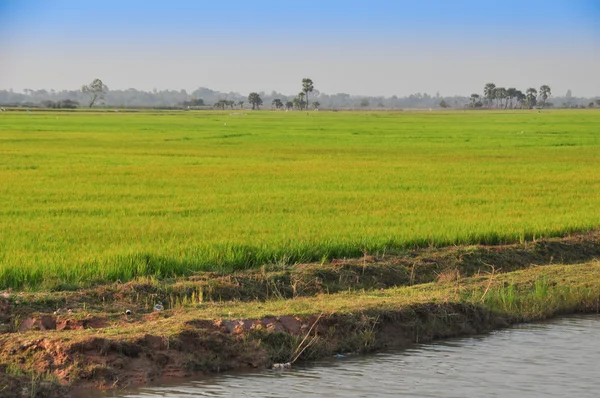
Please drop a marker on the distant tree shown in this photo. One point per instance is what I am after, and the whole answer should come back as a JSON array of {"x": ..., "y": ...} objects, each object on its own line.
[
  {"x": 64, "y": 104},
  {"x": 299, "y": 101},
  {"x": 277, "y": 103},
  {"x": 591, "y": 104},
  {"x": 474, "y": 100},
  {"x": 221, "y": 104},
  {"x": 531, "y": 98},
  {"x": 95, "y": 90},
  {"x": 510, "y": 94},
  {"x": 307, "y": 87},
  {"x": 489, "y": 93},
  {"x": 443, "y": 104},
  {"x": 545, "y": 91},
  {"x": 364, "y": 102},
  {"x": 520, "y": 97},
  {"x": 598, "y": 102},
  {"x": 255, "y": 100},
  {"x": 316, "y": 104},
  {"x": 296, "y": 103},
  {"x": 289, "y": 105},
  {"x": 500, "y": 94},
  {"x": 241, "y": 104},
  {"x": 68, "y": 104},
  {"x": 193, "y": 102}
]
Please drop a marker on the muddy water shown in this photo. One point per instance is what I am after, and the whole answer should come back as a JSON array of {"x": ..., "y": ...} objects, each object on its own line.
[{"x": 553, "y": 359}]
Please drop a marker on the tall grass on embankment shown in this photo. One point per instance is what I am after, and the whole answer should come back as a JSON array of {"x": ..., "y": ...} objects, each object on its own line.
[{"x": 90, "y": 198}]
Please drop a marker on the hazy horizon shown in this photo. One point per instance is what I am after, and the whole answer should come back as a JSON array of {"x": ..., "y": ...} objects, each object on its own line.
[{"x": 350, "y": 47}]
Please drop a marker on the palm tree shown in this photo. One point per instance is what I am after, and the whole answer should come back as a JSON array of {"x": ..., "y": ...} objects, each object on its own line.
[
  {"x": 544, "y": 93},
  {"x": 277, "y": 102},
  {"x": 255, "y": 100},
  {"x": 500, "y": 94},
  {"x": 221, "y": 104},
  {"x": 511, "y": 93},
  {"x": 520, "y": 98},
  {"x": 488, "y": 92},
  {"x": 531, "y": 97},
  {"x": 307, "y": 87}
]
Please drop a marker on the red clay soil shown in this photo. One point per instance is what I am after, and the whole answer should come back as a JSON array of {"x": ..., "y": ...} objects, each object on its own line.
[{"x": 79, "y": 362}]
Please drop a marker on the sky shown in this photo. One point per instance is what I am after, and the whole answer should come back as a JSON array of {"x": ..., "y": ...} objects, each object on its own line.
[{"x": 368, "y": 47}]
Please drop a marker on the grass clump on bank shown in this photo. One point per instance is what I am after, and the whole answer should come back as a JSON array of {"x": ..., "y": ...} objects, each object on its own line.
[{"x": 91, "y": 198}]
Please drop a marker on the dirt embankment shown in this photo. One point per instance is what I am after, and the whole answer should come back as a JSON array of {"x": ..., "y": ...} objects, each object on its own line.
[
  {"x": 53, "y": 343},
  {"x": 75, "y": 363}
]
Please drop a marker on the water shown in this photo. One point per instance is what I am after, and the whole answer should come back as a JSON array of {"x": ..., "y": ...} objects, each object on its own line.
[{"x": 553, "y": 359}]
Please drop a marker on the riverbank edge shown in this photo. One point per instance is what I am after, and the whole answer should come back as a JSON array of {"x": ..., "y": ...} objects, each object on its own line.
[{"x": 184, "y": 342}]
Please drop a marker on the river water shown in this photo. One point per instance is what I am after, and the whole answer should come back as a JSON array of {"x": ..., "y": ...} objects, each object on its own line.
[{"x": 560, "y": 358}]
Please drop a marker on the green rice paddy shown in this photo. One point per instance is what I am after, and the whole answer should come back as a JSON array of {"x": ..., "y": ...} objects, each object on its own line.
[{"x": 89, "y": 198}]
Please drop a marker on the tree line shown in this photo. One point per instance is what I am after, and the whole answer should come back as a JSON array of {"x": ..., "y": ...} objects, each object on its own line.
[
  {"x": 300, "y": 101},
  {"x": 502, "y": 98},
  {"x": 96, "y": 94}
]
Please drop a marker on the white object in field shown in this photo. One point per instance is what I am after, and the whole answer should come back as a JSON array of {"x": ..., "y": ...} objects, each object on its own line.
[
  {"x": 158, "y": 307},
  {"x": 224, "y": 124}
]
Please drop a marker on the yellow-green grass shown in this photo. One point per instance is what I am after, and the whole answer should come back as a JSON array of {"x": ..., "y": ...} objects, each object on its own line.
[
  {"x": 526, "y": 295},
  {"x": 88, "y": 198}
]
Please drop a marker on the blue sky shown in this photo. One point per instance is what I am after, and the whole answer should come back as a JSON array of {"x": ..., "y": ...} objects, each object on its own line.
[{"x": 360, "y": 47}]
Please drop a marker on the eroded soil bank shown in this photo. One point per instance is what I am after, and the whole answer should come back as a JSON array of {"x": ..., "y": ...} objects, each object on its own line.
[{"x": 58, "y": 343}]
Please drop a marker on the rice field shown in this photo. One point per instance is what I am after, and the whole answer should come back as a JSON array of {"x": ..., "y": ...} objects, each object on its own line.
[{"x": 90, "y": 198}]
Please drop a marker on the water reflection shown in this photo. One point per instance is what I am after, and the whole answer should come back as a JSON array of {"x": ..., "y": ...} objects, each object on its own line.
[{"x": 553, "y": 359}]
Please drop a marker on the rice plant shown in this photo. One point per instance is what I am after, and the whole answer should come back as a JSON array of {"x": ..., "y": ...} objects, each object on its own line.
[{"x": 90, "y": 197}]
